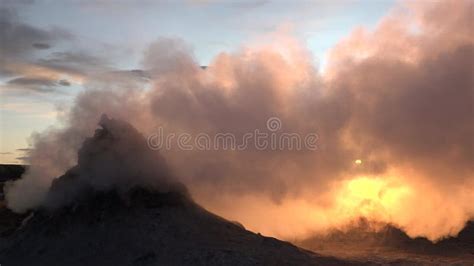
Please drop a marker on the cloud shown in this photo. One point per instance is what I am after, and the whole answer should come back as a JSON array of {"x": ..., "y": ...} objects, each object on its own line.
[
  {"x": 32, "y": 71},
  {"x": 15, "y": 3},
  {"x": 239, "y": 5},
  {"x": 25, "y": 149},
  {"x": 412, "y": 98},
  {"x": 140, "y": 73},
  {"x": 30, "y": 81},
  {"x": 74, "y": 62},
  {"x": 42, "y": 85},
  {"x": 41, "y": 46},
  {"x": 397, "y": 99},
  {"x": 19, "y": 39},
  {"x": 64, "y": 82}
]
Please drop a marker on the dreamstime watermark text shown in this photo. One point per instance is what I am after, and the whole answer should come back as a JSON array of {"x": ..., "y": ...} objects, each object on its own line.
[{"x": 272, "y": 138}]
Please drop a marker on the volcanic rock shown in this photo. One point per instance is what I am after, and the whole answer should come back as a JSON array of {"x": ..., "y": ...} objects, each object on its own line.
[{"x": 121, "y": 206}]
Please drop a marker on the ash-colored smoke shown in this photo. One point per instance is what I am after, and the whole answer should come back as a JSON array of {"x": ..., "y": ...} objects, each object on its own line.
[
  {"x": 399, "y": 99},
  {"x": 117, "y": 158}
]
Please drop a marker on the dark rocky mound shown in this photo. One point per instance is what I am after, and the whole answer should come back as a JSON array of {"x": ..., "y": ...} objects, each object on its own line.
[
  {"x": 144, "y": 228},
  {"x": 120, "y": 206}
]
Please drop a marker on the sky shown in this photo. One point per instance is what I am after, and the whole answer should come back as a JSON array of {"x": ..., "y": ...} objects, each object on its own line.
[
  {"x": 50, "y": 46},
  {"x": 386, "y": 87}
]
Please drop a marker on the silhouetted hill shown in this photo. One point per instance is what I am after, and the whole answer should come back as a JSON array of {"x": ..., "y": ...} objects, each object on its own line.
[
  {"x": 11, "y": 171},
  {"x": 120, "y": 205},
  {"x": 364, "y": 242},
  {"x": 144, "y": 228}
]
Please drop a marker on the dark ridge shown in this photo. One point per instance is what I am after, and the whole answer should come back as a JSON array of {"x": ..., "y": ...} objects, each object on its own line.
[
  {"x": 120, "y": 205},
  {"x": 362, "y": 239},
  {"x": 11, "y": 171},
  {"x": 9, "y": 221},
  {"x": 143, "y": 227}
]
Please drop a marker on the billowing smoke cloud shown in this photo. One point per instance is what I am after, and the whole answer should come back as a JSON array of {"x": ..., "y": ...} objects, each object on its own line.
[
  {"x": 116, "y": 157},
  {"x": 393, "y": 113}
]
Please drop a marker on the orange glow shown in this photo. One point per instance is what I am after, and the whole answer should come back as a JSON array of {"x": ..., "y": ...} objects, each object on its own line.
[{"x": 370, "y": 197}]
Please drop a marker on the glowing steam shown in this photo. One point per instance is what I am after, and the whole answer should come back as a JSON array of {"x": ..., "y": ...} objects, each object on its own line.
[{"x": 393, "y": 112}]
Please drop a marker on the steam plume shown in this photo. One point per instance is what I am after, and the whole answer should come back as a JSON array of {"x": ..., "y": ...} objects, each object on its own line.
[{"x": 398, "y": 98}]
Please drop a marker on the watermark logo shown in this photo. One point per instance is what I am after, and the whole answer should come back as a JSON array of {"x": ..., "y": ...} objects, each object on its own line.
[
  {"x": 273, "y": 138},
  {"x": 274, "y": 124}
]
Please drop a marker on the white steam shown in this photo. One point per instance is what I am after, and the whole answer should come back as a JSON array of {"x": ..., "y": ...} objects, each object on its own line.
[{"x": 398, "y": 100}]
